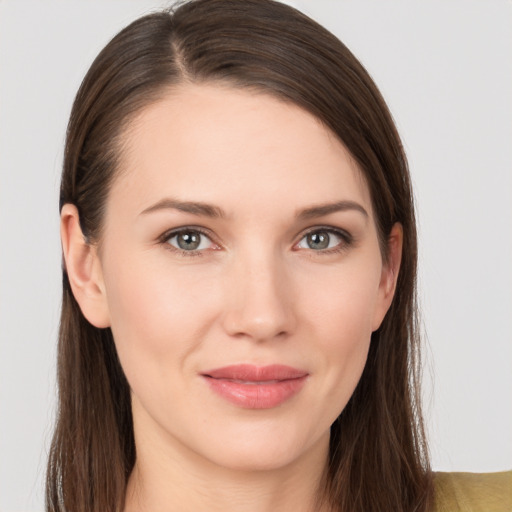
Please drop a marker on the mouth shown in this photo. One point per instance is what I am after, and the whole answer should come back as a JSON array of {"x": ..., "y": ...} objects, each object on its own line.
[{"x": 256, "y": 387}]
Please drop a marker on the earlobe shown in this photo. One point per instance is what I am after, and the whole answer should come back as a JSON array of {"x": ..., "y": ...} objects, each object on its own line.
[
  {"x": 389, "y": 276},
  {"x": 83, "y": 267}
]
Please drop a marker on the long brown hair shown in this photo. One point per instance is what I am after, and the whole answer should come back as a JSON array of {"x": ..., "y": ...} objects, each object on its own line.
[{"x": 378, "y": 458}]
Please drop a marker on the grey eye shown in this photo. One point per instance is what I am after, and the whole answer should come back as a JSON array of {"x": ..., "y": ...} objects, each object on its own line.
[
  {"x": 320, "y": 240},
  {"x": 190, "y": 240}
]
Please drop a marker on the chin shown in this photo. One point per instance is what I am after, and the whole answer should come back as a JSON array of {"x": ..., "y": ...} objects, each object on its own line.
[
  {"x": 255, "y": 459},
  {"x": 268, "y": 451}
]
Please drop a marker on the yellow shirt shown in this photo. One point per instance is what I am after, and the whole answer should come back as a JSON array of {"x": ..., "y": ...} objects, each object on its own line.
[{"x": 473, "y": 492}]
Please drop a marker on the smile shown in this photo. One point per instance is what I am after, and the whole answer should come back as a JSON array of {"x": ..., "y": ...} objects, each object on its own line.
[{"x": 256, "y": 387}]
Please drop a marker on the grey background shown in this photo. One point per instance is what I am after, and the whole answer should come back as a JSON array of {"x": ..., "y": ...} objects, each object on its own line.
[{"x": 445, "y": 68}]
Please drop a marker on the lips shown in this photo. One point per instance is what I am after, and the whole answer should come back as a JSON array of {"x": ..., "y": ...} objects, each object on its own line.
[{"x": 256, "y": 387}]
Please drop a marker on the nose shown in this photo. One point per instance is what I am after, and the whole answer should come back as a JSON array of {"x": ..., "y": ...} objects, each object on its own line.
[{"x": 259, "y": 299}]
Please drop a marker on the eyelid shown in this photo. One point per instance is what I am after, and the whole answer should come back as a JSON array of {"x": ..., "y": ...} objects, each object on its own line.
[
  {"x": 182, "y": 229},
  {"x": 347, "y": 238},
  {"x": 171, "y": 233}
]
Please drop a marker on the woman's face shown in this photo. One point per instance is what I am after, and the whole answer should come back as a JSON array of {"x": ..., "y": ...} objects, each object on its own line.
[{"x": 241, "y": 276}]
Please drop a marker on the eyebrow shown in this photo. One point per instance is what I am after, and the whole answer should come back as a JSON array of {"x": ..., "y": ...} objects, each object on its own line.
[
  {"x": 328, "y": 208},
  {"x": 208, "y": 210},
  {"x": 195, "y": 208}
]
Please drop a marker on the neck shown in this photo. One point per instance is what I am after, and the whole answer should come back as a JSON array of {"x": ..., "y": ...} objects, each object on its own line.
[{"x": 168, "y": 478}]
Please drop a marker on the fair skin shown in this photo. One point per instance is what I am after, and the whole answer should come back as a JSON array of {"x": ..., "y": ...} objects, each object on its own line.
[{"x": 262, "y": 276}]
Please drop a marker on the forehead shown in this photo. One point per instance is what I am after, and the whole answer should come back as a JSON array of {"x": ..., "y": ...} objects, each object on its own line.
[{"x": 235, "y": 147}]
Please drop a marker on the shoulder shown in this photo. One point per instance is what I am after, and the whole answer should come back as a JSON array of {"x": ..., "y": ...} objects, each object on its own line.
[{"x": 473, "y": 492}]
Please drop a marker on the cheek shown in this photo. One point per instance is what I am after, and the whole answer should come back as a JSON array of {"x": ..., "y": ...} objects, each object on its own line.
[
  {"x": 341, "y": 316},
  {"x": 156, "y": 315},
  {"x": 344, "y": 337},
  {"x": 342, "y": 302}
]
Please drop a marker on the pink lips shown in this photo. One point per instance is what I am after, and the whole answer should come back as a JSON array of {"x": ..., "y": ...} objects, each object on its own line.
[{"x": 256, "y": 387}]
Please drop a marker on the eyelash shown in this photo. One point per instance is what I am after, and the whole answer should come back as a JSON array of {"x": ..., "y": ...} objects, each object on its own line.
[
  {"x": 345, "y": 236},
  {"x": 164, "y": 240},
  {"x": 347, "y": 240}
]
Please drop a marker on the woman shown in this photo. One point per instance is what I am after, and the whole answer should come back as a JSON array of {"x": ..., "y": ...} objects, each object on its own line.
[{"x": 238, "y": 326}]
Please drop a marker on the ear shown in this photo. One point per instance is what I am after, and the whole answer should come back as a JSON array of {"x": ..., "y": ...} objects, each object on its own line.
[
  {"x": 83, "y": 267},
  {"x": 389, "y": 276}
]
